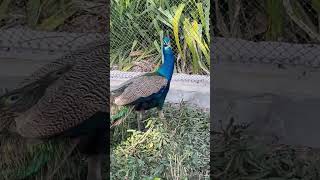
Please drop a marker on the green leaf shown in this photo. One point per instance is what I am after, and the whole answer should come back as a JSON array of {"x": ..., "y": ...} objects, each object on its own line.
[
  {"x": 202, "y": 45},
  {"x": 155, "y": 43},
  {"x": 303, "y": 15},
  {"x": 4, "y": 6},
  {"x": 191, "y": 45},
  {"x": 316, "y": 5},
  {"x": 127, "y": 67},
  {"x": 175, "y": 23},
  {"x": 274, "y": 10},
  {"x": 166, "y": 22},
  {"x": 134, "y": 44},
  {"x": 203, "y": 20},
  {"x": 58, "y": 18},
  {"x": 166, "y": 13},
  {"x": 161, "y": 40},
  {"x": 33, "y": 12},
  {"x": 49, "y": 7}
]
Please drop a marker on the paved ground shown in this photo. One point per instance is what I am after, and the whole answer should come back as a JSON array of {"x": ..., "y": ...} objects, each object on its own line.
[{"x": 279, "y": 102}]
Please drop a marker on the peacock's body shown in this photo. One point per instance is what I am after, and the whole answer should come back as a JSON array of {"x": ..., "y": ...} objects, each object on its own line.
[
  {"x": 68, "y": 97},
  {"x": 148, "y": 90}
]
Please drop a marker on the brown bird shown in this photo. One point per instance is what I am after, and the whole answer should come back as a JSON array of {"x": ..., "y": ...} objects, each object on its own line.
[{"x": 65, "y": 98}]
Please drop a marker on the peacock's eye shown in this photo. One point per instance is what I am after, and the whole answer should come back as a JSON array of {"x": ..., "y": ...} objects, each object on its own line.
[
  {"x": 166, "y": 44},
  {"x": 13, "y": 99}
]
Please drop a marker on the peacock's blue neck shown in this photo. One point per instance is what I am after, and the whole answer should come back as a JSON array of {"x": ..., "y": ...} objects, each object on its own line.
[{"x": 166, "y": 69}]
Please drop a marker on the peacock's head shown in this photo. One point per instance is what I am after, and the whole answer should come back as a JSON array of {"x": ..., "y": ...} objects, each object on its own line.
[
  {"x": 167, "y": 49},
  {"x": 166, "y": 42}
]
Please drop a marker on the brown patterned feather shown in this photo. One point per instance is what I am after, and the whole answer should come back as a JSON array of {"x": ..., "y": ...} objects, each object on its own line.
[
  {"x": 76, "y": 96},
  {"x": 69, "y": 59},
  {"x": 142, "y": 86}
]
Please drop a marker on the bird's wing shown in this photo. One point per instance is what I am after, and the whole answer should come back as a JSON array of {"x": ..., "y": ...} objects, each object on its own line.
[
  {"x": 142, "y": 86},
  {"x": 124, "y": 85},
  {"x": 67, "y": 60},
  {"x": 26, "y": 96},
  {"x": 71, "y": 100},
  {"x": 119, "y": 90}
]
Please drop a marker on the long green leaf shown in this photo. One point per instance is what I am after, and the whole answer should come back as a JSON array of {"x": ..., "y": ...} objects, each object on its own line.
[
  {"x": 134, "y": 44},
  {"x": 303, "y": 15},
  {"x": 164, "y": 21},
  {"x": 33, "y": 12},
  {"x": 175, "y": 24},
  {"x": 202, "y": 45},
  {"x": 316, "y": 5},
  {"x": 166, "y": 13},
  {"x": 156, "y": 45},
  {"x": 4, "y": 7},
  {"x": 58, "y": 18},
  {"x": 191, "y": 45},
  {"x": 203, "y": 20},
  {"x": 274, "y": 10},
  {"x": 48, "y": 7}
]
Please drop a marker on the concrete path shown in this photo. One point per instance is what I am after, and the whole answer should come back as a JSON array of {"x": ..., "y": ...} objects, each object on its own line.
[{"x": 281, "y": 103}]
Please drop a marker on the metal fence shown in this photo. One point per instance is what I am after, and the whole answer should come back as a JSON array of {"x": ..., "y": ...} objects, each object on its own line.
[
  {"x": 137, "y": 27},
  {"x": 268, "y": 31},
  {"x": 135, "y": 35},
  {"x": 51, "y": 25},
  {"x": 34, "y": 33},
  {"x": 145, "y": 20}
]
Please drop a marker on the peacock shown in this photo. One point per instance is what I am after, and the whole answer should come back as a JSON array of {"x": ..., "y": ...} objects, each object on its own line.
[
  {"x": 66, "y": 98},
  {"x": 146, "y": 91}
]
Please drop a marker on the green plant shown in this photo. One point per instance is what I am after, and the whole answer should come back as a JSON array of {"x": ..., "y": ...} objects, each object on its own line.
[
  {"x": 239, "y": 154},
  {"x": 175, "y": 148},
  {"x": 130, "y": 32},
  {"x": 268, "y": 20},
  {"x": 195, "y": 38},
  {"x": 142, "y": 23},
  {"x": 21, "y": 160},
  {"x": 49, "y": 14},
  {"x": 275, "y": 11},
  {"x": 40, "y": 14}
]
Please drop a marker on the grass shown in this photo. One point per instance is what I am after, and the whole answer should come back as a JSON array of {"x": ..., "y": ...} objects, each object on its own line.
[
  {"x": 176, "y": 148},
  {"x": 238, "y": 155},
  {"x": 22, "y": 160}
]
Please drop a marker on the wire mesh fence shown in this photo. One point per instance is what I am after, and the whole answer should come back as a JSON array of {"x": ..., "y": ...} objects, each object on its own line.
[
  {"x": 51, "y": 25},
  {"x": 270, "y": 31},
  {"x": 137, "y": 27},
  {"x": 34, "y": 33}
]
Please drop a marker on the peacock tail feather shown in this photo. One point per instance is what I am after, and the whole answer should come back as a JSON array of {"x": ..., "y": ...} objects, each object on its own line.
[{"x": 120, "y": 116}]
